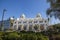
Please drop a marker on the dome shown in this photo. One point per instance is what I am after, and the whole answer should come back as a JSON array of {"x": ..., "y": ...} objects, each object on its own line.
[
  {"x": 22, "y": 16},
  {"x": 17, "y": 18},
  {"x": 38, "y": 15},
  {"x": 11, "y": 18}
]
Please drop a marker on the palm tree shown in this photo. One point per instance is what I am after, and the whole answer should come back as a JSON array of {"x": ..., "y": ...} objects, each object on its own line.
[
  {"x": 4, "y": 10},
  {"x": 55, "y": 8}
]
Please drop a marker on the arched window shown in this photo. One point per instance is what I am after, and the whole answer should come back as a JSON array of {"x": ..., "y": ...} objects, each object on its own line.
[
  {"x": 19, "y": 27},
  {"x": 30, "y": 27},
  {"x": 42, "y": 27},
  {"x": 25, "y": 27}
]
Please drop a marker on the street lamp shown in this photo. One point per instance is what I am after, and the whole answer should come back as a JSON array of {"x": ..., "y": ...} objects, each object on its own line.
[{"x": 2, "y": 28}]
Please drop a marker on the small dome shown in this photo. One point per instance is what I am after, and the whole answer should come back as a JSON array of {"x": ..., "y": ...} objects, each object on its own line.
[
  {"x": 11, "y": 18},
  {"x": 38, "y": 15},
  {"x": 17, "y": 18},
  {"x": 22, "y": 16}
]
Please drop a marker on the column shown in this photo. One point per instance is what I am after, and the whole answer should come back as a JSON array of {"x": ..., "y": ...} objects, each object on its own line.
[
  {"x": 28, "y": 27},
  {"x": 39, "y": 28},
  {"x": 22, "y": 27},
  {"x": 17, "y": 26}
]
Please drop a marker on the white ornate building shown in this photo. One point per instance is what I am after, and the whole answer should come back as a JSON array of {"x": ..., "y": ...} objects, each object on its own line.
[{"x": 36, "y": 24}]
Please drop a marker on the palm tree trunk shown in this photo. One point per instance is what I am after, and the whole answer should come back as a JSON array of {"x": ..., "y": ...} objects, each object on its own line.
[{"x": 2, "y": 28}]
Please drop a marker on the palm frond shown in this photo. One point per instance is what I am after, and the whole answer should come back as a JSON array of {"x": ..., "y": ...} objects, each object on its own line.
[{"x": 49, "y": 11}]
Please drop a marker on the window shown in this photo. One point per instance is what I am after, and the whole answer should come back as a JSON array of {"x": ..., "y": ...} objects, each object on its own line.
[
  {"x": 42, "y": 26},
  {"x": 40, "y": 21},
  {"x": 45, "y": 21},
  {"x": 30, "y": 27},
  {"x": 30, "y": 21},
  {"x": 15, "y": 27},
  {"x": 19, "y": 22},
  {"x": 25, "y": 27},
  {"x": 19, "y": 27},
  {"x": 35, "y": 21},
  {"x": 15, "y": 22},
  {"x": 24, "y": 22}
]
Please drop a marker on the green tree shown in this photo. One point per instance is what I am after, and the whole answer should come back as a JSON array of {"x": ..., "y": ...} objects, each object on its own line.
[{"x": 54, "y": 9}]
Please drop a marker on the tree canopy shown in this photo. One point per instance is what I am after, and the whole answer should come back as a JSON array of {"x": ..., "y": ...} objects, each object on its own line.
[{"x": 54, "y": 9}]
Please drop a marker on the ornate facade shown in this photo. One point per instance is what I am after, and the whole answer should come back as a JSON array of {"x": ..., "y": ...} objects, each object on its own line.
[{"x": 36, "y": 24}]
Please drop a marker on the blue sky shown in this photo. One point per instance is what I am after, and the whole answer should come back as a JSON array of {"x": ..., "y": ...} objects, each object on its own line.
[{"x": 29, "y": 7}]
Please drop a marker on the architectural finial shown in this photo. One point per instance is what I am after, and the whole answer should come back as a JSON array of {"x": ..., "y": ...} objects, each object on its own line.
[
  {"x": 22, "y": 16},
  {"x": 38, "y": 15}
]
